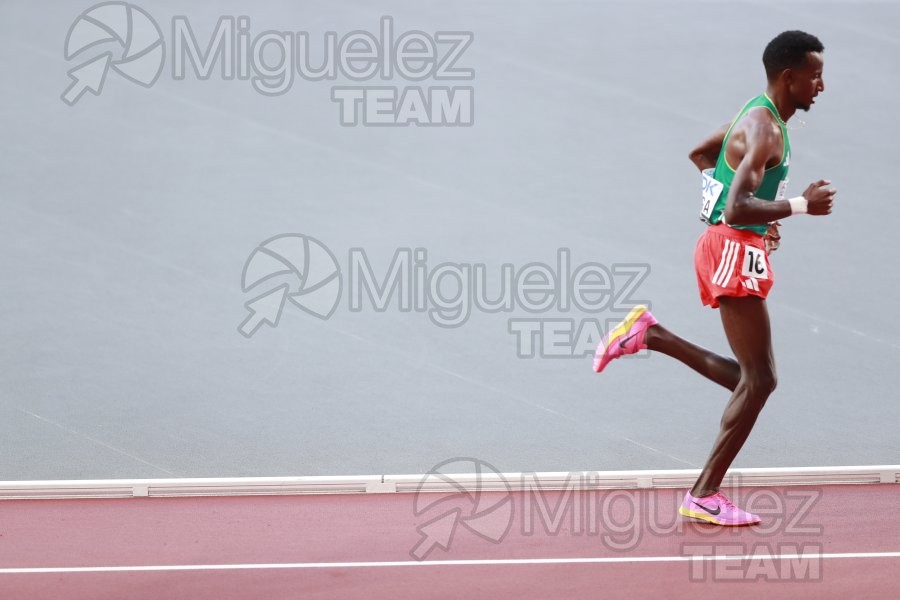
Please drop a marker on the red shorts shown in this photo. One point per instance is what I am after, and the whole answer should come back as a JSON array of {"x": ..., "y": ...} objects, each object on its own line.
[{"x": 731, "y": 262}]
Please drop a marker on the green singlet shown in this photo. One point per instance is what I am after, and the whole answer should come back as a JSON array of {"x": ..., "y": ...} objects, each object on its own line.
[{"x": 715, "y": 193}]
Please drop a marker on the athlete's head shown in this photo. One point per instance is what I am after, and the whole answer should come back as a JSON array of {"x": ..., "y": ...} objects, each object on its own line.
[{"x": 793, "y": 60}]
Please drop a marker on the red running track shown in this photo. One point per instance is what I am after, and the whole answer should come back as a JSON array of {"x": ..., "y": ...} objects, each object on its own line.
[{"x": 815, "y": 542}]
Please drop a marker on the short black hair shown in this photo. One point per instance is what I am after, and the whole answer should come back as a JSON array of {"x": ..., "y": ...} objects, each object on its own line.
[{"x": 788, "y": 50}]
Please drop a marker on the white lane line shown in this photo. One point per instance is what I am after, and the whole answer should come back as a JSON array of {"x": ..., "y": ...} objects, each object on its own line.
[
  {"x": 842, "y": 327},
  {"x": 77, "y": 433},
  {"x": 453, "y": 563},
  {"x": 656, "y": 450}
]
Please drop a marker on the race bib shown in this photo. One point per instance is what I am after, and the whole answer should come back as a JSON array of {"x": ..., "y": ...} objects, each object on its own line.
[
  {"x": 754, "y": 264},
  {"x": 712, "y": 189}
]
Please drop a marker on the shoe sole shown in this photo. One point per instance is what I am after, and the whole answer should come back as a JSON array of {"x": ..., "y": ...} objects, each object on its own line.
[
  {"x": 685, "y": 512},
  {"x": 620, "y": 330}
]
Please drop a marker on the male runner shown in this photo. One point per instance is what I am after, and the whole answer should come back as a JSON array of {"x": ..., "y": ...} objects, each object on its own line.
[{"x": 741, "y": 198}]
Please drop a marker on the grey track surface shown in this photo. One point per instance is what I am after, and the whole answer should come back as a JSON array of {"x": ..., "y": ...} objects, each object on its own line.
[{"x": 126, "y": 221}]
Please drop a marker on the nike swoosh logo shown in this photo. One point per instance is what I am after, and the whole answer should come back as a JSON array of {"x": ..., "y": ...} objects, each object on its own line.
[
  {"x": 709, "y": 510},
  {"x": 623, "y": 342}
]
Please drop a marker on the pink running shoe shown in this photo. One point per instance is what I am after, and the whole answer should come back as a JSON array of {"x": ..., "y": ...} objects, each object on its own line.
[
  {"x": 716, "y": 509},
  {"x": 625, "y": 338}
]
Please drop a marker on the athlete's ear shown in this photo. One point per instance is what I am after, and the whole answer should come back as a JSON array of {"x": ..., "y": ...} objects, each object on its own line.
[{"x": 787, "y": 76}]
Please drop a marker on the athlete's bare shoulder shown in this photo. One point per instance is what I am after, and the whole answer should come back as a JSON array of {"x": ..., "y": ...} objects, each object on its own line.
[{"x": 757, "y": 130}]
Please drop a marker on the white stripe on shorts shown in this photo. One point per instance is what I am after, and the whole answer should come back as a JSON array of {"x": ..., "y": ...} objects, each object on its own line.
[
  {"x": 722, "y": 262},
  {"x": 721, "y": 272},
  {"x": 729, "y": 270}
]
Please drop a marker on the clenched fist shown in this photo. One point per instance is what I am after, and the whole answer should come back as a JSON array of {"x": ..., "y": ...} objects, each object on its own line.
[{"x": 819, "y": 197}]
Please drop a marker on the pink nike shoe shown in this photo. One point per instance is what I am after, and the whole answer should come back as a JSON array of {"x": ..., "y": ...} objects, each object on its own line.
[
  {"x": 625, "y": 338},
  {"x": 716, "y": 509}
]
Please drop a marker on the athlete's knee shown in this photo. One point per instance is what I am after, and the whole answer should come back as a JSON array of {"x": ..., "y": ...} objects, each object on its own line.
[{"x": 762, "y": 383}]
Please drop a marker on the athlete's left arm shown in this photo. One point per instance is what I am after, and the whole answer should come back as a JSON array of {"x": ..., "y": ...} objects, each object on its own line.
[
  {"x": 763, "y": 143},
  {"x": 706, "y": 153}
]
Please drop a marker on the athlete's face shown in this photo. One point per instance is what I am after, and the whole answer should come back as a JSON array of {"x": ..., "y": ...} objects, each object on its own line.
[{"x": 806, "y": 81}]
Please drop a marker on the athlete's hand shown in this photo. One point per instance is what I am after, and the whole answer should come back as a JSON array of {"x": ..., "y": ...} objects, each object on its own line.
[
  {"x": 819, "y": 197},
  {"x": 773, "y": 237}
]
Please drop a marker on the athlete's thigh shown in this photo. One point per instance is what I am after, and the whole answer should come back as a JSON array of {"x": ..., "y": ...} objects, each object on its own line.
[{"x": 746, "y": 323}]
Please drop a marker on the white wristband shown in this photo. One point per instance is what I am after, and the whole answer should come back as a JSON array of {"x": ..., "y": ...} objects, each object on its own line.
[{"x": 798, "y": 205}]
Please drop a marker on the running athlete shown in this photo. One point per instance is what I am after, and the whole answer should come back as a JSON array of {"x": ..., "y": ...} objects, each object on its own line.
[{"x": 744, "y": 168}]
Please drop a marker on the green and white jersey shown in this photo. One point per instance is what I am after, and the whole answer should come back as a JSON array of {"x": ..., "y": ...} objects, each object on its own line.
[{"x": 717, "y": 182}]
